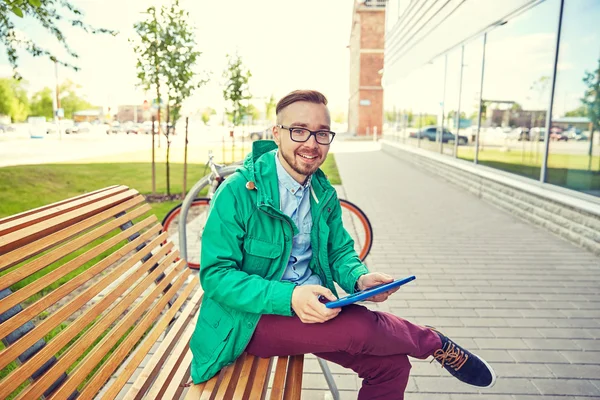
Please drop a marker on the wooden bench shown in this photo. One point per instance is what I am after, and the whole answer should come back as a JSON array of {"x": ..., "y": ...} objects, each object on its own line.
[{"x": 91, "y": 292}]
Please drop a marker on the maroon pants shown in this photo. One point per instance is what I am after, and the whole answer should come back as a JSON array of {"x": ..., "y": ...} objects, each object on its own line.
[{"x": 373, "y": 344}]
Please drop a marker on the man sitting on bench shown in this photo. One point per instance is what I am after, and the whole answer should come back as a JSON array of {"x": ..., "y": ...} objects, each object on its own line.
[{"x": 274, "y": 244}]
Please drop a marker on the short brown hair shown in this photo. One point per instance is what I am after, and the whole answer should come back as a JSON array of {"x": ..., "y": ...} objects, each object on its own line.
[{"x": 312, "y": 96}]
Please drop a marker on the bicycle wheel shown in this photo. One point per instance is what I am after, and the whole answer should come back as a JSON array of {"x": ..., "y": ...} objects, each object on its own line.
[
  {"x": 358, "y": 225},
  {"x": 195, "y": 221}
]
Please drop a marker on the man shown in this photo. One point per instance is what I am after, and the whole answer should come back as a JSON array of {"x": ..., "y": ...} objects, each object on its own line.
[{"x": 274, "y": 245}]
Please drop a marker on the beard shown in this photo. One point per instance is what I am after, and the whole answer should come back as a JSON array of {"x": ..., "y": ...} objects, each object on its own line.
[{"x": 300, "y": 167}]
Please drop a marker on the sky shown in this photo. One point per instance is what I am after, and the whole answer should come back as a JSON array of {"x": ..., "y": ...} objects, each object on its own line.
[{"x": 286, "y": 44}]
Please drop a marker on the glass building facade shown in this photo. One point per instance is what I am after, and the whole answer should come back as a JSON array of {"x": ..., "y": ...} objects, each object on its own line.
[{"x": 521, "y": 95}]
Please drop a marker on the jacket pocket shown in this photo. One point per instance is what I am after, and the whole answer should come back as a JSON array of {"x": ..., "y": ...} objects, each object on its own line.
[
  {"x": 214, "y": 327},
  {"x": 259, "y": 255}
]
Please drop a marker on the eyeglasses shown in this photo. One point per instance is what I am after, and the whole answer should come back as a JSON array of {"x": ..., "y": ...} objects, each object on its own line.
[{"x": 302, "y": 135}]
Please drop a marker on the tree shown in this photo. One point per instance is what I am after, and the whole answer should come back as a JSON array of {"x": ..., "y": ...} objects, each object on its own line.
[
  {"x": 13, "y": 99},
  {"x": 516, "y": 107},
  {"x": 178, "y": 64},
  {"x": 207, "y": 113},
  {"x": 578, "y": 112},
  {"x": 270, "y": 109},
  {"x": 48, "y": 13},
  {"x": 236, "y": 90},
  {"x": 70, "y": 100},
  {"x": 391, "y": 115},
  {"x": 591, "y": 102},
  {"x": 41, "y": 104},
  {"x": 149, "y": 51},
  {"x": 167, "y": 57},
  {"x": 253, "y": 112}
]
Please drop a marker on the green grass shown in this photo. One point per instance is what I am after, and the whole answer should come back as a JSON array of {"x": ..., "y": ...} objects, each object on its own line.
[
  {"x": 30, "y": 186},
  {"x": 566, "y": 170}
]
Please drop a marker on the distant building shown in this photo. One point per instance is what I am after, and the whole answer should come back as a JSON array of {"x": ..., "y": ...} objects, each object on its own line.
[
  {"x": 135, "y": 113},
  {"x": 91, "y": 115},
  {"x": 365, "y": 105}
]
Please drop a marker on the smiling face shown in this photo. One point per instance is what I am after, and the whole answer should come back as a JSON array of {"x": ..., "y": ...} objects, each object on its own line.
[{"x": 301, "y": 159}]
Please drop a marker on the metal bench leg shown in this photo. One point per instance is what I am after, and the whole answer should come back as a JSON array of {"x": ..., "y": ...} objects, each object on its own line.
[{"x": 329, "y": 378}]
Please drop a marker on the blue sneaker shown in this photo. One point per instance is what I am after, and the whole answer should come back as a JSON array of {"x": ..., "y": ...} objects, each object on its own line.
[{"x": 462, "y": 364}]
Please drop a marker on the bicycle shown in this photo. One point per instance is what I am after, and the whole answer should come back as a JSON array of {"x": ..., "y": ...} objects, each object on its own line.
[{"x": 195, "y": 209}]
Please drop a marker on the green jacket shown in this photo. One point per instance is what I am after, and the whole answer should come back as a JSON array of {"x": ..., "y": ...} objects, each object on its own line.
[{"x": 246, "y": 245}]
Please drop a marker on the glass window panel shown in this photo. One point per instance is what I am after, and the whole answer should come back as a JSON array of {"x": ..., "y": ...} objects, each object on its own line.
[
  {"x": 469, "y": 103},
  {"x": 516, "y": 90},
  {"x": 574, "y": 152}
]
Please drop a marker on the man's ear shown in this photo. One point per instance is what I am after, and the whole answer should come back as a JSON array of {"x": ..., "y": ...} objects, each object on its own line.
[{"x": 275, "y": 131}]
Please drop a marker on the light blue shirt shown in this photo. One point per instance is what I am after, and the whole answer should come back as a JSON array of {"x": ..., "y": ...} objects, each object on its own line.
[{"x": 295, "y": 203}]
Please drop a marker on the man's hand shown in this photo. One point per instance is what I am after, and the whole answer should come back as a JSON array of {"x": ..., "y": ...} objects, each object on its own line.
[
  {"x": 306, "y": 304},
  {"x": 373, "y": 279}
]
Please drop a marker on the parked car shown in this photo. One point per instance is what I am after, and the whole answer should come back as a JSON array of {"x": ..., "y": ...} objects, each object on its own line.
[
  {"x": 431, "y": 133},
  {"x": 114, "y": 127},
  {"x": 131, "y": 127},
  {"x": 6, "y": 128},
  {"x": 82, "y": 127},
  {"x": 537, "y": 133},
  {"x": 520, "y": 134},
  {"x": 575, "y": 134},
  {"x": 65, "y": 124},
  {"x": 557, "y": 134}
]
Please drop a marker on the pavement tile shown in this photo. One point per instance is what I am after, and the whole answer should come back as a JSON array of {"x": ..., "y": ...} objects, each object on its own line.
[
  {"x": 500, "y": 344},
  {"x": 506, "y": 370},
  {"x": 567, "y": 333},
  {"x": 576, "y": 371},
  {"x": 535, "y": 356},
  {"x": 516, "y": 332},
  {"x": 582, "y": 357},
  {"x": 552, "y": 344},
  {"x": 566, "y": 387}
]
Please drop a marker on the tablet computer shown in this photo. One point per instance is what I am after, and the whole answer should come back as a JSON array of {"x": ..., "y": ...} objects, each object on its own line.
[{"x": 365, "y": 294}]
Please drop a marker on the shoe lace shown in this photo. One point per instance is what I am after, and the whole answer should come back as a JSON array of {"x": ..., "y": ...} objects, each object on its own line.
[{"x": 452, "y": 356}]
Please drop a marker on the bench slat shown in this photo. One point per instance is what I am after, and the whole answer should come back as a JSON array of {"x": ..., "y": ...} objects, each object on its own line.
[
  {"x": 51, "y": 277},
  {"x": 29, "y": 250},
  {"x": 261, "y": 378},
  {"x": 132, "y": 319},
  {"x": 195, "y": 391},
  {"x": 118, "y": 356},
  {"x": 52, "y": 297},
  {"x": 4, "y": 221},
  {"x": 279, "y": 380},
  {"x": 242, "y": 389},
  {"x": 58, "y": 342},
  {"x": 180, "y": 350},
  {"x": 156, "y": 362},
  {"x": 293, "y": 380},
  {"x": 175, "y": 381},
  {"x": 46, "y": 227},
  {"x": 32, "y": 219},
  {"x": 67, "y": 248},
  {"x": 10, "y": 353},
  {"x": 99, "y": 327},
  {"x": 230, "y": 377},
  {"x": 151, "y": 339},
  {"x": 209, "y": 386}
]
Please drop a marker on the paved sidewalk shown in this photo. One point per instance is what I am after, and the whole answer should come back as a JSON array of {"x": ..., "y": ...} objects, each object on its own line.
[{"x": 519, "y": 296}]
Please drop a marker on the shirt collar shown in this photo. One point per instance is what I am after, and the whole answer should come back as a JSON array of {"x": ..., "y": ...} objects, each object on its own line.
[{"x": 286, "y": 179}]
